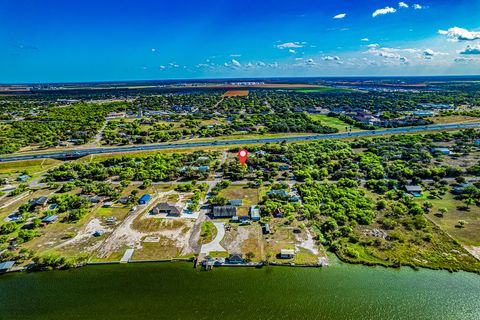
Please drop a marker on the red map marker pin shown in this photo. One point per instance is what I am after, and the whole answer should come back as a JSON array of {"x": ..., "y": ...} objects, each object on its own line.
[{"x": 242, "y": 155}]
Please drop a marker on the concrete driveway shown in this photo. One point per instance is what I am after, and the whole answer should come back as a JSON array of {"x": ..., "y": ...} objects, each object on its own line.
[{"x": 215, "y": 244}]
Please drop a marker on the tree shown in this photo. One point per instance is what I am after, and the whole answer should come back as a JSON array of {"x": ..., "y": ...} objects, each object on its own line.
[{"x": 250, "y": 255}]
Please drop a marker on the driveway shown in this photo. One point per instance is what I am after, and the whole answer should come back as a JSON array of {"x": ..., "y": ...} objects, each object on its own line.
[{"x": 215, "y": 244}]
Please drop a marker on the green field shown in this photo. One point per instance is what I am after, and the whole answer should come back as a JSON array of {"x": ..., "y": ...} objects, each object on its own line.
[{"x": 332, "y": 122}]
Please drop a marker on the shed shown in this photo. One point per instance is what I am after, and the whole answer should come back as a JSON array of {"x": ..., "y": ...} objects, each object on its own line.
[
  {"x": 287, "y": 253},
  {"x": 145, "y": 199},
  {"x": 224, "y": 211},
  {"x": 255, "y": 213},
  {"x": 236, "y": 202},
  {"x": 7, "y": 265},
  {"x": 266, "y": 228}
]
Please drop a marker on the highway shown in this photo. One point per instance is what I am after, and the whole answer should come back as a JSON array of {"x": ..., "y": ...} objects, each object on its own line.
[{"x": 162, "y": 146}]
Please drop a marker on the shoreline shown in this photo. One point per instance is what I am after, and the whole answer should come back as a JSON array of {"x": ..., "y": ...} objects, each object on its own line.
[{"x": 258, "y": 265}]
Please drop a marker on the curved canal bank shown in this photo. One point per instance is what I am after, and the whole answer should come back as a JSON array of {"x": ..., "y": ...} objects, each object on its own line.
[{"x": 176, "y": 291}]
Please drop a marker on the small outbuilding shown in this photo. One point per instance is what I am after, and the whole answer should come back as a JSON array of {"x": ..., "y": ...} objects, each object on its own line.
[
  {"x": 287, "y": 253},
  {"x": 255, "y": 213},
  {"x": 266, "y": 229},
  {"x": 236, "y": 202},
  {"x": 145, "y": 199},
  {"x": 6, "y": 266}
]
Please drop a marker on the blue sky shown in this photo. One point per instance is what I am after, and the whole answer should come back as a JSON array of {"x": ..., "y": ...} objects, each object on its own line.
[{"x": 60, "y": 41}]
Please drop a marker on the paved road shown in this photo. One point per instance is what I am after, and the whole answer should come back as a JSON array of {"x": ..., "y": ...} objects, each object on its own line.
[{"x": 163, "y": 146}]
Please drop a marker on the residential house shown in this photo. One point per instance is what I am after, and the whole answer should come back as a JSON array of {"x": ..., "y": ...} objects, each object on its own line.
[
  {"x": 278, "y": 193},
  {"x": 459, "y": 189},
  {"x": 23, "y": 178},
  {"x": 287, "y": 253},
  {"x": 167, "y": 208},
  {"x": 444, "y": 151},
  {"x": 414, "y": 190},
  {"x": 224, "y": 211},
  {"x": 255, "y": 213},
  {"x": 39, "y": 202}
]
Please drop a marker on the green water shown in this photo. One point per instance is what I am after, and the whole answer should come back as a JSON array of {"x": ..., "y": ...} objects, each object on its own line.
[{"x": 176, "y": 291}]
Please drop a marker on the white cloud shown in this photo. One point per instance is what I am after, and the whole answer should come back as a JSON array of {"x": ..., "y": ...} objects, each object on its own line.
[
  {"x": 364, "y": 39},
  {"x": 235, "y": 63},
  {"x": 162, "y": 67},
  {"x": 429, "y": 53},
  {"x": 310, "y": 62},
  {"x": 340, "y": 16},
  {"x": 471, "y": 50},
  {"x": 235, "y": 55},
  {"x": 373, "y": 45},
  {"x": 417, "y": 6},
  {"x": 402, "y": 5},
  {"x": 456, "y": 34},
  {"x": 331, "y": 58},
  {"x": 292, "y": 51},
  {"x": 289, "y": 45},
  {"x": 153, "y": 49},
  {"x": 383, "y": 11}
]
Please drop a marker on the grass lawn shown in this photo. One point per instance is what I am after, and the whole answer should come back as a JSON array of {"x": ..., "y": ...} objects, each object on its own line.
[
  {"x": 165, "y": 248},
  {"x": 33, "y": 168},
  {"x": 209, "y": 231},
  {"x": 332, "y": 122},
  {"x": 468, "y": 235},
  {"x": 249, "y": 196},
  {"x": 453, "y": 119}
]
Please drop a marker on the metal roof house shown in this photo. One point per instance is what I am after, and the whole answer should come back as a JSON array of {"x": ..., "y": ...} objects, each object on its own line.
[
  {"x": 50, "y": 219},
  {"x": 167, "y": 208},
  {"x": 23, "y": 178},
  {"x": 414, "y": 190},
  {"x": 277, "y": 193},
  {"x": 145, "y": 199},
  {"x": 444, "y": 151},
  {"x": 224, "y": 211},
  {"x": 255, "y": 213},
  {"x": 41, "y": 201}
]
